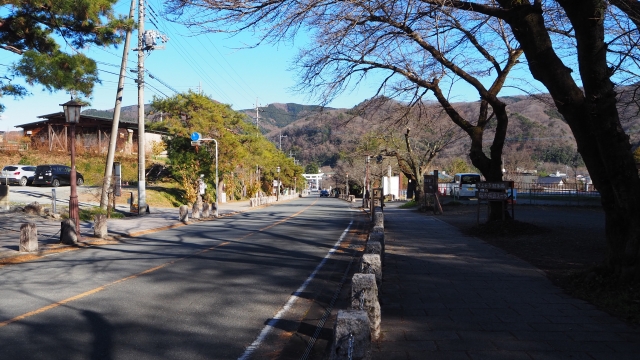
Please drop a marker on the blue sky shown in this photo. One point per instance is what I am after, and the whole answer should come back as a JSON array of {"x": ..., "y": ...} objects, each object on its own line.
[
  {"x": 215, "y": 62},
  {"x": 225, "y": 69}
]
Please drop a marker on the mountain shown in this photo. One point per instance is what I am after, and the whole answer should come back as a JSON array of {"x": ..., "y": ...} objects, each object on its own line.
[
  {"x": 537, "y": 131},
  {"x": 275, "y": 116},
  {"x": 127, "y": 113},
  {"x": 322, "y": 135}
]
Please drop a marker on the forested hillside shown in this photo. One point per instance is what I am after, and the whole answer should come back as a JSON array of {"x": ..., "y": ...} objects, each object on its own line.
[{"x": 538, "y": 136}]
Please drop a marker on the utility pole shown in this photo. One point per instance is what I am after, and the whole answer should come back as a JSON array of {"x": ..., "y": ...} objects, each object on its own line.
[
  {"x": 257, "y": 116},
  {"x": 142, "y": 194},
  {"x": 146, "y": 41},
  {"x": 108, "y": 169},
  {"x": 281, "y": 136}
]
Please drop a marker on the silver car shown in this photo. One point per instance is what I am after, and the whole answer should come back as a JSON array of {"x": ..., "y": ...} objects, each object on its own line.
[{"x": 17, "y": 174}]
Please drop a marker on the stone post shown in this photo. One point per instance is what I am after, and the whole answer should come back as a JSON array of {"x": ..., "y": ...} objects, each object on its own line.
[
  {"x": 377, "y": 236},
  {"x": 378, "y": 219},
  {"x": 100, "y": 226},
  {"x": 28, "y": 237},
  {"x": 205, "y": 210},
  {"x": 351, "y": 331},
  {"x": 195, "y": 211},
  {"x": 184, "y": 213},
  {"x": 374, "y": 247},
  {"x": 68, "y": 233},
  {"x": 365, "y": 291},
  {"x": 4, "y": 197},
  {"x": 371, "y": 264}
]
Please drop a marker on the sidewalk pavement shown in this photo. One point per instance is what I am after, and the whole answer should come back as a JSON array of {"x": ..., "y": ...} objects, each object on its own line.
[
  {"x": 48, "y": 228},
  {"x": 446, "y": 295}
]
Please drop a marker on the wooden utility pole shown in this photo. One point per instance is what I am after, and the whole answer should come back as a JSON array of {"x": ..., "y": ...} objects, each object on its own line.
[{"x": 108, "y": 169}]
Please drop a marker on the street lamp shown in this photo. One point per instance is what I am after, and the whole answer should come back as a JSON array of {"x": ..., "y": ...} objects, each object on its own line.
[
  {"x": 195, "y": 141},
  {"x": 72, "y": 116},
  {"x": 217, "y": 190},
  {"x": 347, "y": 188},
  {"x": 278, "y": 186}
]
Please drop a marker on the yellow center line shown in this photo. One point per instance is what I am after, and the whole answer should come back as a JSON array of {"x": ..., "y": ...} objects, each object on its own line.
[{"x": 148, "y": 271}]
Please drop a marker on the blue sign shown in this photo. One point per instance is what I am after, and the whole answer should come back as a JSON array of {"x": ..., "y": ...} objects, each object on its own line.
[{"x": 195, "y": 136}]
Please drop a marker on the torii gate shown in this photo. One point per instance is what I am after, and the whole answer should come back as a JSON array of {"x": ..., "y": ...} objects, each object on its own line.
[{"x": 314, "y": 177}]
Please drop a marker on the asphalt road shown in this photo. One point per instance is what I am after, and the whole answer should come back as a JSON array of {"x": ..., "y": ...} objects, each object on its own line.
[
  {"x": 203, "y": 291},
  {"x": 42, "y": 194}
]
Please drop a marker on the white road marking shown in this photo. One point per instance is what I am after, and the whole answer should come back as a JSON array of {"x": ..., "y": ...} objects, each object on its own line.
[{"x": 265, "y": 331}]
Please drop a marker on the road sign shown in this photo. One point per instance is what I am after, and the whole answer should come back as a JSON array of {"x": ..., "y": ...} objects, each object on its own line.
[
  {"x": 195, "y": 143},
  {"x": 195, "y": 136}
]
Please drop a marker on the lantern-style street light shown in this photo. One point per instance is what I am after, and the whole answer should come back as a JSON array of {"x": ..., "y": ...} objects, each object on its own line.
[{"x": 72, "y": 115}]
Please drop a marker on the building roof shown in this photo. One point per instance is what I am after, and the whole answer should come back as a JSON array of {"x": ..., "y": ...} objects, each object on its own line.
[
  {"x": 550, "y": 180},
  {"x": 59, "y": 115}
]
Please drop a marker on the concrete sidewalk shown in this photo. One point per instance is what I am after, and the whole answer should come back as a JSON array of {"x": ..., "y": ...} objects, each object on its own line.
[
  {"x": 48, "y": 228},
  {"x": 449, "y": 296}
]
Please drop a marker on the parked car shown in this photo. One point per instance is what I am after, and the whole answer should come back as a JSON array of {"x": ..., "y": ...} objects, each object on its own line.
[
  {"x": 465, "y": 184},
  {"x": 324, "y": 193},
  {"x": 55, "y": 175},
  {"x": 17, "y": 174}
]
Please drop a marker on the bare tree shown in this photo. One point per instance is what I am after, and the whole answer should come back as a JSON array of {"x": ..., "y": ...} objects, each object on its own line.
[
  {"x": 578, "y": 50},
  {"x": 414, "y": 48}
]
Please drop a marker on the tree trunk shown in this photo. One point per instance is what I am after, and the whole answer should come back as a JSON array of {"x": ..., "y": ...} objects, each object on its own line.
[
  {"x": 594, "y": 121},
  {"x": 491, "y": 167}
]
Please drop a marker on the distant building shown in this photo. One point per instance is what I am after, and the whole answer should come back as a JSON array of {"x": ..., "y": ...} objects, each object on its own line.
[
  {"x": 92, "y": 133},
  {"x": 551, "y": 181}
]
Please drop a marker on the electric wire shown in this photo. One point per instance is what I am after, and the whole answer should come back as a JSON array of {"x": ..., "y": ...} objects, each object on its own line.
[
  {"x": 183, "y": 53},
  {"x": 170, "y": 29}
]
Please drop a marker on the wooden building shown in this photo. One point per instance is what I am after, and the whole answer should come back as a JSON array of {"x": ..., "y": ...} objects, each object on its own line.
[{"x": 92, "y": 134}]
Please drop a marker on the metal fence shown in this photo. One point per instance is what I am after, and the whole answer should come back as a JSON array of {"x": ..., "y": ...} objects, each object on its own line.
[{"x": 571, "y": 193}]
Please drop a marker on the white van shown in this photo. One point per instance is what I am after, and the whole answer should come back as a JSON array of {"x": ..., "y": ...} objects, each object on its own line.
[{"x": 464, "y": 184}]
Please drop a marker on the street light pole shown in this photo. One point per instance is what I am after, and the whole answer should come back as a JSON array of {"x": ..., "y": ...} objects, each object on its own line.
[
  {"x": 72, "y": 116},
  {"x": 278, "y": 186},
  {"x": 347, "y": 187},
  {"x": 217, "y": 190},
  {"x": 195, "y": 140}
]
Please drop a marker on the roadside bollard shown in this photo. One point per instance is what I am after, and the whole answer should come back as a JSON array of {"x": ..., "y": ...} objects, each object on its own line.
[
  {"x": 54, "y": 200},
  {"x": 184, "y": 213},
  {"x": 195, "y": 211},
  {"x": 68, "y": 233},
  {"x": 100, "y": 226},
  {"x": 205, "y": 210},
  {"x": 364, "y": 296},
  {"x": 28, "y": 237},
  {"x": 374, "y": 247},
  {"x": 378, "y": 219},
  {"x": 377, "y": 236},
  {"x": 4, "y": 197},
  {"x": 371, "y": 264},
  {"x": 351, "y": 336}
]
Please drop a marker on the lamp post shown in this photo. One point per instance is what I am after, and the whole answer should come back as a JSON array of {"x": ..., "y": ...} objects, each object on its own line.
[
  {"x": 347, "y": 187},
  {"x": 72, "y": 116},
  {"x": 196, "y": 138},
  {"x": 217, "y": 185},
  {"x": 278, "y": 185}
]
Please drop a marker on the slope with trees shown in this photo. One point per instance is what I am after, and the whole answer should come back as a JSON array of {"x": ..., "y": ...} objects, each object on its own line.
[{"x": 247, "y": 161}]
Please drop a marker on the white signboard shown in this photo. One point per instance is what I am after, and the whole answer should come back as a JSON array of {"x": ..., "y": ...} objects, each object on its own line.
[{"x": 391, "y": 186}]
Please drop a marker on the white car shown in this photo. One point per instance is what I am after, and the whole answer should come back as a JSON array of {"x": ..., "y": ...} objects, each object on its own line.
[{"x": 17, "y": 174}]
